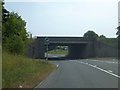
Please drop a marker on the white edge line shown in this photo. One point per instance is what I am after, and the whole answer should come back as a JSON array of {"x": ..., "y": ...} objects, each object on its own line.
[
  {"x": 102, "y": 70},
  {"x": 57, "y": 65}
]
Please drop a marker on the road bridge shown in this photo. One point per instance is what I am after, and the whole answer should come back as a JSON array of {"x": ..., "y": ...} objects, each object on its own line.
[{"x": 78, "y": 47}]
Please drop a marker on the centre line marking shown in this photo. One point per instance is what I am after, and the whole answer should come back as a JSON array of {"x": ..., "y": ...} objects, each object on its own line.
[{"x": 94, "y": 66}]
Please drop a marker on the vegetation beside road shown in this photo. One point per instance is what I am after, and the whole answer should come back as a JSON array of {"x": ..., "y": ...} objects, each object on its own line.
[
  {"x": 17, "y": 70},
  {"x": 20, "y": 71},
  {"x": 58, "y": 51},
  {"x": 101, "y": 38}
]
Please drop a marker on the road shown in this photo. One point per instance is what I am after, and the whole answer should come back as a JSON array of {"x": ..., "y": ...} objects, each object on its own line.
[{"x": 82, "y": 74}]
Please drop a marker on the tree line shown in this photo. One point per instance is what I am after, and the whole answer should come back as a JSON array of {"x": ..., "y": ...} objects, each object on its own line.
[
  {"x": 110, "y": 41},
  {"x": 14, "y": 34}
]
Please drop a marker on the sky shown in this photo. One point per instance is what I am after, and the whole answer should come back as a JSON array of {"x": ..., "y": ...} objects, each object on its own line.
[
  {"x": 119, "y": 13},
  {"x": 68, "y": 17}
]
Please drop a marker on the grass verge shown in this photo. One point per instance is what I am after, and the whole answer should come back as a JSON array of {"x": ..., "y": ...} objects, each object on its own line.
[
  {"x": 57, "y": 51},
  {"x": 18, "y": 70}
]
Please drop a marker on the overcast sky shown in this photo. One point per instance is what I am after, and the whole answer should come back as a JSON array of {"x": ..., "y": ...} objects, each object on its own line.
[{"x": 68, "y": 17}]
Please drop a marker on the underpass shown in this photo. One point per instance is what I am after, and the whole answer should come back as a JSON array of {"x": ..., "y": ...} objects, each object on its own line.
[{"x": 76, "y": 46}]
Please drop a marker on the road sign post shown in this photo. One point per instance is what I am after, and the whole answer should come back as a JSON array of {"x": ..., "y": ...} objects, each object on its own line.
[{"x": 47, "y": 44}]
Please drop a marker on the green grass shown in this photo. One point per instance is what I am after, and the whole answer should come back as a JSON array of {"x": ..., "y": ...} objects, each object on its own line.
[
  {"x": 0, "y": 67},
  {"x": 58, "y": 51},
  {"x": 18, "y": 70}
]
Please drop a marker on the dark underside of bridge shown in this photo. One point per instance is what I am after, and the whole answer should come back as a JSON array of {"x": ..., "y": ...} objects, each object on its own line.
[
  {"x": 75, "y": 50},
  {"x": 78, "y": 47}
]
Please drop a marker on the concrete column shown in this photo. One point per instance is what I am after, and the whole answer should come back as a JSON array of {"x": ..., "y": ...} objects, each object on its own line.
[{"x": 39, "y": 49}]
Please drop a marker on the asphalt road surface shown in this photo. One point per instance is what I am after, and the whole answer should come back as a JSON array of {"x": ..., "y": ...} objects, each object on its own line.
[{"x": 83, "y": 74}]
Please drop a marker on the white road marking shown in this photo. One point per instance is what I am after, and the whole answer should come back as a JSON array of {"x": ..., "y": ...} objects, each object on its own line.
[
  {"x": 109, "y": 72},
  {"x": 86, "y": 63},
  {"x": 115, "y": 62},
  {"x": 57, "y": 65}
]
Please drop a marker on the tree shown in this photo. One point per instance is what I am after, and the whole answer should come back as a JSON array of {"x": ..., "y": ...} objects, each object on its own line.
[
  {"x": 3, "y": 18},
  {"x": 91, "y": 34},
  {"x": 14, "y": 34},
  {"x": 118, "y": 33},
  {"x": 5, "y": 13},
  {"x": 0, "y": 23},
  {"x": 102, "y": 37}
]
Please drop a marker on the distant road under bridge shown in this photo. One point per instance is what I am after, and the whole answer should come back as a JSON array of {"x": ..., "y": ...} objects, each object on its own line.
[{"x": 78, "y": 47}]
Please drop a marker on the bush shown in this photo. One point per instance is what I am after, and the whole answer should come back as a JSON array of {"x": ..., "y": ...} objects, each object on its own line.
[
  {"x": 15, "y": 45},
  {"x": 14, "y": 34}
]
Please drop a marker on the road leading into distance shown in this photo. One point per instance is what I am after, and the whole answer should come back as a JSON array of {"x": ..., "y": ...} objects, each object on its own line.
[{"x": 82, "y": 74}]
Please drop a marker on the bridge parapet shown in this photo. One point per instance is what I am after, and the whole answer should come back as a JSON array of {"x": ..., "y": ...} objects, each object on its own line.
[{"x": 71, "y": 40}]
